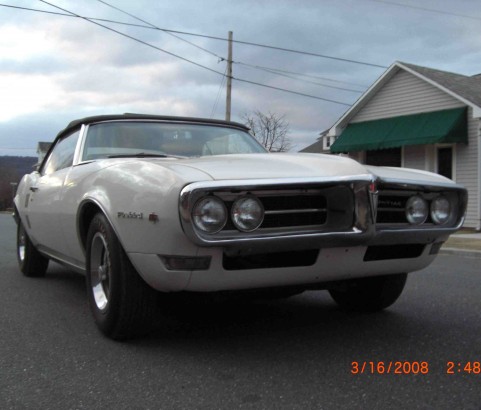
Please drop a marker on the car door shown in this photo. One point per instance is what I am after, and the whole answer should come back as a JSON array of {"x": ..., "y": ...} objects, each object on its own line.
[{"x": 45, "y": 204}]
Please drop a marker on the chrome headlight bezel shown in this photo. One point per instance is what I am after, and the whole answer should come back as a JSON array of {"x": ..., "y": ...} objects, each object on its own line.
[
  {"x": 416, "y": 210},
  {"x": 247, "y": 213},
  {"x": 209, "y": 207}
]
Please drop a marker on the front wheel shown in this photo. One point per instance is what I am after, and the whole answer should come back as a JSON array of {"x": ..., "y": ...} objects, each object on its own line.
[
  {"x": 30, "y": 261},
  {"x": 370, "y": 294},
  {"x": 122, "y": 304}
]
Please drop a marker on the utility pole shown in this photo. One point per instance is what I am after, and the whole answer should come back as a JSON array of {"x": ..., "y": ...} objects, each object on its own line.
[{"x": 229, "y": 79}]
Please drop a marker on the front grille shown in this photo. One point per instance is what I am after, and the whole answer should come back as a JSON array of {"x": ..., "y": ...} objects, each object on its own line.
[
  {"x": 391, "y": 208},
  {"x": 298, "y": 210},
  {"x": 319, "y": 209},
  {"x": 290, "y": 209}
]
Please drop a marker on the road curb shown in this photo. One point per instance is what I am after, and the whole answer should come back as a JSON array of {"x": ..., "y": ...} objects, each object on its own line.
[{"x": 460, "y": 252}]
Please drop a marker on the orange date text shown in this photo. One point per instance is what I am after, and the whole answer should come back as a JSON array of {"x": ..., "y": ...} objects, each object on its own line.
[{"x": 390, "y": 367}]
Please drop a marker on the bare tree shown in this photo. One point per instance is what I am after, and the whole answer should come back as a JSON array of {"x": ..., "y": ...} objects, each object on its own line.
[{"x": 271, "y": 130}]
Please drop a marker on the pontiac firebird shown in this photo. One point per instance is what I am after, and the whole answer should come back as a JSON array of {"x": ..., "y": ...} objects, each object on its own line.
[{"x": 146, "y": 205}]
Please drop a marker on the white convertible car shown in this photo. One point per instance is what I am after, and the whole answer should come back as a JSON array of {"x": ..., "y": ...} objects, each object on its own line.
[{"x": 145, "y": 205}]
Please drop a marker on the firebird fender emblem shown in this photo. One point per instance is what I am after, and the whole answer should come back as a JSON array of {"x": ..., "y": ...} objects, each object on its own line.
[
  {"x": 130, "y": 215},
  {"x": 153, "y": 217}
]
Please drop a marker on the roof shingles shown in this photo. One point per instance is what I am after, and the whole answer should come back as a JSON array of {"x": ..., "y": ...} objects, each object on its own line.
[{"x": 466, "y": 87}]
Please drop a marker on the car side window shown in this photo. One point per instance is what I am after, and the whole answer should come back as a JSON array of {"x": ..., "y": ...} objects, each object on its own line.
[{"x": 62, "y": 154}]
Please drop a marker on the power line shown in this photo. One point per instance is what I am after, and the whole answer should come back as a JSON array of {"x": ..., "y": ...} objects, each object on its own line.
[
  {"x": 221, "y": 58},
  {"x": 252, "y": 44},
  {"x": 193, "y": 44},
  {"x": 194, "y": 63},
  {"x": 312, "y": 54},
  {"x": 307, "y": 53},
  {"x": 157, "y": 28},
  {"x": 133, "y": 38},
  {"x": 280, "y": 73},
  {"x": 449, "y": 13},
  {"x": 214, "y": 108},
  {"x": 236, "y": 41},
  {"x": 56, "y": 13},
  {"x": 292, "y": 92},
  {"x": 274, "y": 71},
  {"x": 316, "y": 77}
]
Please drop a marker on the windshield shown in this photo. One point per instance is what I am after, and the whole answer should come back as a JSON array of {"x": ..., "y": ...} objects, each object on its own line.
[{"x": 137, "y": 138}]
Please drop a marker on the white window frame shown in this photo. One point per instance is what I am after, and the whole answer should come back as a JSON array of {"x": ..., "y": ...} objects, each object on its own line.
[{"x": 327, "y": 141}]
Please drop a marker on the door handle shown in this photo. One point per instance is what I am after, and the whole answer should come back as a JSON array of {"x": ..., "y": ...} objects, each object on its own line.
[{"x": 34, "y": 188}]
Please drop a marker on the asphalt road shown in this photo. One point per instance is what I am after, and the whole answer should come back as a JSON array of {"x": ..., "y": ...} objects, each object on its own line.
[{"x": 290, "y": 354}]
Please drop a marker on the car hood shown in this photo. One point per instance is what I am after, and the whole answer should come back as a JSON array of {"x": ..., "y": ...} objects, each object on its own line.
[
  {"x": 408, "y": 175},
  {"x": 267, "y": 166}
]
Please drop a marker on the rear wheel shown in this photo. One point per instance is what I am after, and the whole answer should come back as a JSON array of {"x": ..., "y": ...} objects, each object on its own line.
[
  {"x": 30, "y": 261},
  {"x": 370, "y": 294},
  {"x": 122, "y": 304}
]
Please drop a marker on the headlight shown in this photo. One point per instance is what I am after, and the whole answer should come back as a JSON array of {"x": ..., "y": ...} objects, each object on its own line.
[
  {"x": 416, "y": 210},
  {"x": 440, "y": 210},
  {"x": 209, "y": 214},
  {"x": 247, "y": 213}
]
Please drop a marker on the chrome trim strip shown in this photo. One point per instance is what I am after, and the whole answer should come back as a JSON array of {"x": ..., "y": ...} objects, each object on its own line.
[
  {"x": 84, "y": 133},
  {"x": 274, "y": 182},
  {"x": 74, "y": 264},
  {"x": 296, "y": 211},
  {"x": 79, "y": 146},
  {"x": 408, "y": 184},
  {"x": 85, "y": 201}
]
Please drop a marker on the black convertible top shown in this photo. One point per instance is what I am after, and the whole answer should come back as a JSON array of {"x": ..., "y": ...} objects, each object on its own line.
[{"x": 127, "y": 116}]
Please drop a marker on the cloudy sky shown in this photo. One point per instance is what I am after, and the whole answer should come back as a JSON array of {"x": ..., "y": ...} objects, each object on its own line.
[{"x": 56, "y": 68}]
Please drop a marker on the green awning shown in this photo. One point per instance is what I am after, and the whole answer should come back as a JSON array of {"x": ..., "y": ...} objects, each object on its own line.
[{"x": 444, "y": 126}]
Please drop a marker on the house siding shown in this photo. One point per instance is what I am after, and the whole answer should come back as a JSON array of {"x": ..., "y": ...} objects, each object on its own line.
[
  {"x": 467, "y": 170},
  {"x": 406, "y": 94},
  {"x": 414, "y": 156}
]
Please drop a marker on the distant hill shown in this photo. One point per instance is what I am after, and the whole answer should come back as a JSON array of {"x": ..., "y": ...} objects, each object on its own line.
[
  {"x": 11, "y": 170},
  {"x": 21, "y": 165}
]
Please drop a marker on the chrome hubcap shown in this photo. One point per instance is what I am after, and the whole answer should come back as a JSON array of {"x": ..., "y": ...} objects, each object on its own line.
[
  {"x": 21, "y": 244},
  {"x": 100, "y": 271}
]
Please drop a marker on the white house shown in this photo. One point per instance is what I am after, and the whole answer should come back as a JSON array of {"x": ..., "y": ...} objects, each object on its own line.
[
  {"x": 42, "y": 149},
  {"x": 416, "y": 117}
]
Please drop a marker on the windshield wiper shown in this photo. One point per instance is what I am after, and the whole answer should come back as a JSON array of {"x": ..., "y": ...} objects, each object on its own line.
[{"x": 140, "y": 155}]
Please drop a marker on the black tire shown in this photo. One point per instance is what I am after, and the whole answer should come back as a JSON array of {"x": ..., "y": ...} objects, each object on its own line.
[
  {"x": 122, "y": 304},
  {"x": 370, "y": 294},
  {"x": 30, "y": 261}
]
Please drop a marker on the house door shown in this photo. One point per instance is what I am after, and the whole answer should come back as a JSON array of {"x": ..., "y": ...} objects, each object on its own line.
[{"x": 444, "y": 162}]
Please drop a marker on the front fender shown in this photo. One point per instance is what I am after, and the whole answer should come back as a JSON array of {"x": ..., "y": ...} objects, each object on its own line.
[{"x": 141, "y": 202}]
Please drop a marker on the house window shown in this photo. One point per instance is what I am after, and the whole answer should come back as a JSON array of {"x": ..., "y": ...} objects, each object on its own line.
[
  {"x": 327, "y": 141},
  {"x": 391, "y": 157},
  {"x": 444, "y": 162}
]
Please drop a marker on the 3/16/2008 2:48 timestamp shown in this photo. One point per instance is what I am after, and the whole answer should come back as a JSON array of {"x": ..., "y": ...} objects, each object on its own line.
[{"x": 414, "y": 367}]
